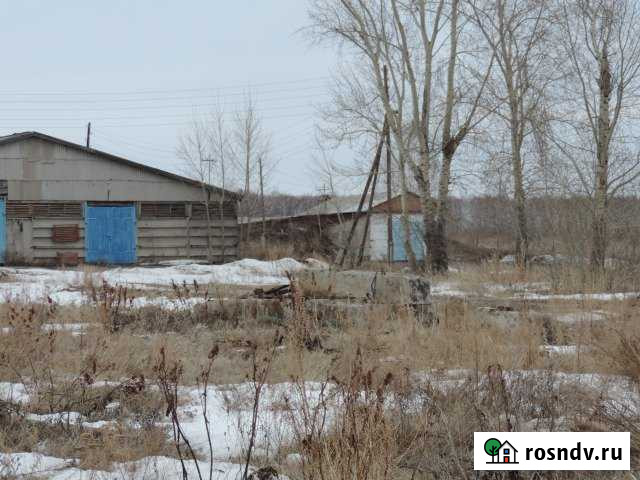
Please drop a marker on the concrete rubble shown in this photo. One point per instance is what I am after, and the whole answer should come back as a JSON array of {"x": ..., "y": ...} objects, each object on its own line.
[
  {"x": 358, "y": 295},
  {"x": 366, "y": 286}
]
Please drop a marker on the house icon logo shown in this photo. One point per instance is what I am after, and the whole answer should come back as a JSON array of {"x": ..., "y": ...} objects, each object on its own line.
[{"x": 500, "y": 452}]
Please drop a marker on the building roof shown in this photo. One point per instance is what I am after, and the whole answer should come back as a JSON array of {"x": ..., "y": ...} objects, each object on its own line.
[
  {"x": 16, "y": 137},
  {"x": 347, "y": 204}
]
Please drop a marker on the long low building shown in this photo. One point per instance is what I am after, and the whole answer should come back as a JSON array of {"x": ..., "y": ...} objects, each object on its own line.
[{"x": 61, "y": 202}]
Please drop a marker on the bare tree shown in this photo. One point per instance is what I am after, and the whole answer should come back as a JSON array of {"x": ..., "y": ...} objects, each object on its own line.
[
  {"x": 219, "y": 138},
  {"x": 408, "y": 37},
  {"x": 249, "y": 145},
  {"x": 194, "y": 149},
  {"x": 515, "y": 32},
  {"x": 601, "y": 38}
]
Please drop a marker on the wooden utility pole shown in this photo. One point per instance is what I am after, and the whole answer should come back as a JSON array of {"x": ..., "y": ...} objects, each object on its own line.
[
  {"x": 263, "y": 238},
  {"x": 89, "y": 135},
  {"x": 373, "y": 174},
  {"x": 365, "y": 234},
  {"x": 388, "y": 146}
]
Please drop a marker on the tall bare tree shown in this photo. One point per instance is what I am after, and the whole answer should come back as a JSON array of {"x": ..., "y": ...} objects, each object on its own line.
[
  {"x": 194, "y": 148},
  {"x": 601, "y": 39},
  {"x": 249, "y": 144},
  {"x": 408, "y": 37},
  {"x": 515, "y": 30},
  {"x": 220, "y": 145}
]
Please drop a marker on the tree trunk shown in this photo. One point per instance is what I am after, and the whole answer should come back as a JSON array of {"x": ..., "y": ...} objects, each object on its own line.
[
  {"x": 522, "y": 236},
  {"x": 404, "y": 218},
  {"x": 438, "y": 255},
  {"x": 600, "y": 208},
  {"x": 263, "y": 236}
]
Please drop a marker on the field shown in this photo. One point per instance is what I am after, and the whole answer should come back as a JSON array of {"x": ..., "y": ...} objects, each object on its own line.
[{"x": 183, "y": 370}]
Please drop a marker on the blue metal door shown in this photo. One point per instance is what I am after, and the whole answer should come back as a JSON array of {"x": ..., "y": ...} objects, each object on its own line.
[
  {"x": 110, "y": 234},
  {"x": 3, "y": 230},
  {"x": 417, "y": 239}
]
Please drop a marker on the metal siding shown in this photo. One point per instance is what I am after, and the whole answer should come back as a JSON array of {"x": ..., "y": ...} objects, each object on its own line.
[
  {"x": 3, "y": 230},
  {"x": 110, "y": 234},
  {"x": 417, "y": 241},
  {"x": 40, "y": 170}
]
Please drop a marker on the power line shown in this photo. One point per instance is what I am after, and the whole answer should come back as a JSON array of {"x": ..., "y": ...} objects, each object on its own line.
[
  {"x": 249, "y": 86},
  {"x": 146, "y": 148},
  {"x": 160, "y": 107},
  {"x": 81, "y": 124},
  {"x": 253, "y": 94},
  {"x": 171, "y": 115}
]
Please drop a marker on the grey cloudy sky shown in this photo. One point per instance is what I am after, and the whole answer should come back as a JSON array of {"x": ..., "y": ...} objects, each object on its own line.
[{"x": 138, "y": 70}]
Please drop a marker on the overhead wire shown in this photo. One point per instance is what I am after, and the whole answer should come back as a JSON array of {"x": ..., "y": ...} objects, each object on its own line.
[
  {"x": 250, "y": 86},
  {"x": 247, "y": 94}
]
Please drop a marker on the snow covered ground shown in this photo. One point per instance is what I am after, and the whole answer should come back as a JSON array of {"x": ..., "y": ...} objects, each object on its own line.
[
  {"x": 229, "y": 412},
  {"x": 63, "y": 286},
  {"x": 35, "y": 465}
]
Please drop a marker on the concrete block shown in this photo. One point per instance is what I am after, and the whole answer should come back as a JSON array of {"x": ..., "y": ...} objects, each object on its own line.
[{"x": 366, "y": 286}]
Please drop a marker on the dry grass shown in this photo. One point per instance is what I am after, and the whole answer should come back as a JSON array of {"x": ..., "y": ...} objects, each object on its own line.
[{"x": 388, "y": 354}]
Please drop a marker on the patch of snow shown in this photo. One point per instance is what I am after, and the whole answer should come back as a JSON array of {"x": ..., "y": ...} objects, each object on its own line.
[
  {"x": 66, "y": 327},
  {"x": 14, "y": 393},
  {"x": 508, "y": 260},
  {"x": 63, "y": 286},
  {"x": 580, "y": 317},
  {"x": 230, "y": 411},
  {"x": 149, "y": 468},
  {"x": 241, "y": 272},
  {"x": 54, "y": 418},
  {"x": 71, "y": 418},
  {"x": 447, "y": 289},
  {"x": 29, "y": 464},
  {"x": 580, "y": 296},
  {"x": 559, "y": 349},
  {"x": 294, "y": 459}
]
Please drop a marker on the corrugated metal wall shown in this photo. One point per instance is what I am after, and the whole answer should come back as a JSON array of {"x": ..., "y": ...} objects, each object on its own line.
[
  {"x": 186, "y": 238},
  {"x": 30, "y": 238}
]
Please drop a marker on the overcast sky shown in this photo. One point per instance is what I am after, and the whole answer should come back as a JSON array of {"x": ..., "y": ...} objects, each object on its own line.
[{"x": 138, "y": 70}]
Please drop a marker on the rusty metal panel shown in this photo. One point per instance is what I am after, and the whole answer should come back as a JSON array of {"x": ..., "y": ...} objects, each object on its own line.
[
  {"x": 228, "y": 210},
  {"x": 67, "y": 259},
  {"x": 44, "y": 209},
  {"x": 65, "y": 233},
  {"x": 163, "y": 210}
]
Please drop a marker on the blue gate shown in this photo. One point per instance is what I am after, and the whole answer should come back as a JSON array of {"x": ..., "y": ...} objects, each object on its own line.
[
  {"x": 110, "y": 234},
  {"x": 3, "y": 230},
  {"x": 417, "y": 240}
]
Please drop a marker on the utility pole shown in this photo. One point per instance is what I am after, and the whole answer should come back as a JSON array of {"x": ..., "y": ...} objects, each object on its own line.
[
  {"x": 89, "y": 135},
  {"x": 323, "y": 191},
  {"x": 388, "y": 145},
  {"x": 263, "y": 238},
  {"x": 206, "y": 193}
]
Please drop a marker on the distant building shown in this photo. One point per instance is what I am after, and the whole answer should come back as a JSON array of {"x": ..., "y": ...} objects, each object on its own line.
[
  {"x": 63, "y": 202},
  {"x": 336, "y": 216}
]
